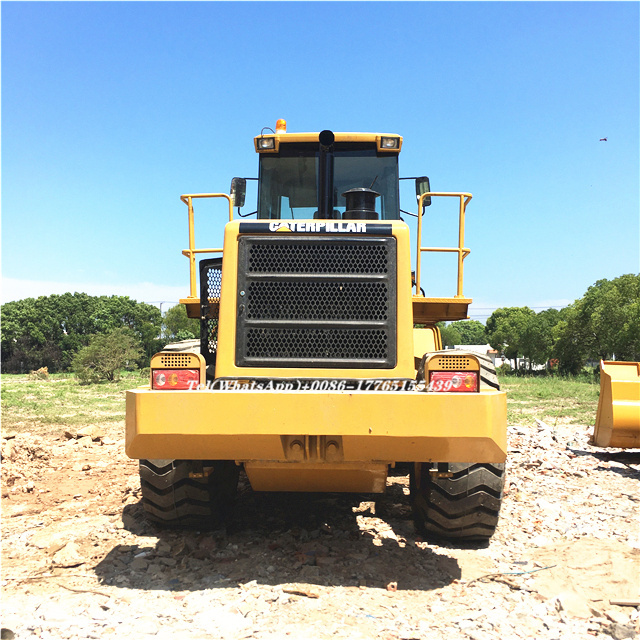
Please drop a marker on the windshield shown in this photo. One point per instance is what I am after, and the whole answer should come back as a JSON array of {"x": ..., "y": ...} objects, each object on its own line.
[{"x": 288, "y": 181}]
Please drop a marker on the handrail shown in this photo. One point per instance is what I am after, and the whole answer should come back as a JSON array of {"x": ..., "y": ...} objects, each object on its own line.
[
  {"x": 192, "y": 251},
  {"x": 460, "y": 249}
]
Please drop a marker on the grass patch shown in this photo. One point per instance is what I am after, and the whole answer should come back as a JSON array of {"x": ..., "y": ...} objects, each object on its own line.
[
  {"x": 43, "y": 406},
  {"x": 550, "y": 399}
]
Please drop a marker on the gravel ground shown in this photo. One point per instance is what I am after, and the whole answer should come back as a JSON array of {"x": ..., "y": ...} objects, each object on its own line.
[{"x": 80, "y": 561}]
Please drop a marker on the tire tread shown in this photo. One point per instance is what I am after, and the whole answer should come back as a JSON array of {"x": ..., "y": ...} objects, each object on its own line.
[{"x": 172, "y": 498}]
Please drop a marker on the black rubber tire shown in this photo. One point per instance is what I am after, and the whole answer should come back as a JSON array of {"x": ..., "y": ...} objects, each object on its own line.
[
  {"x": 172, "y": 497},
  {"x": 464, "y": 507},
  {"x": 488, "y": 376}
]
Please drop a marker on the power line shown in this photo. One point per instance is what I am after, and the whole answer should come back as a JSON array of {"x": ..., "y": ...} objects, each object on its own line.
[
  {"x": 161, "y": 302},
  {"x": 502, "y": 307}
]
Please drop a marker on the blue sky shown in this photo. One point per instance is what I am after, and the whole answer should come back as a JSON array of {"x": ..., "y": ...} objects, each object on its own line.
[{"x": 111, "y": 110}]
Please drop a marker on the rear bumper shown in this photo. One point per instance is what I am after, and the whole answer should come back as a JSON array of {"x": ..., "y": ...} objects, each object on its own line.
[{"x": 331, "y": 427}]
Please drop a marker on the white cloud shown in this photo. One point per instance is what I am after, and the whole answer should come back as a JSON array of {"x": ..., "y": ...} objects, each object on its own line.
[{"x": 16, "y": 289}]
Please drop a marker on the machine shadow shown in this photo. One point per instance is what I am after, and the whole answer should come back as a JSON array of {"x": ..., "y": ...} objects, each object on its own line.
[
  {"x": 626, "y": 458},
  {"x": 347, "y": 540}
]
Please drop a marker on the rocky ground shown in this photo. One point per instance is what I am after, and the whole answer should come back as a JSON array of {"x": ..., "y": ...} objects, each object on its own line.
[{"x": 80, "y": 561}]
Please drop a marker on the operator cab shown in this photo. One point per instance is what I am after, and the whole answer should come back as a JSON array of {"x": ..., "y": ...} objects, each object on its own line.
[
  {"x": 289, "y": 181},
  {"x": 303, "y": 176}
]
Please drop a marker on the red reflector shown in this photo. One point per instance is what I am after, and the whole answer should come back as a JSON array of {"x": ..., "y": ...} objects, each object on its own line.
[
  {"x": 175, "y": 379},
  {"x": 453, "y": 381}
]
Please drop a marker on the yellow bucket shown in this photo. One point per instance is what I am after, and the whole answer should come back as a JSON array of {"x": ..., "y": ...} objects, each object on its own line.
[{"x": 618, "y": 417}]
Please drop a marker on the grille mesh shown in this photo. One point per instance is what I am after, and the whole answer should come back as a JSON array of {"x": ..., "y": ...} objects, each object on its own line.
[
  {"x": 329, "y": 344},
  {"x": 316, "y": 301},
  {"x": 209, "y": 335},
  {"x": 454, "y": 362},
  {"x": 321, "y": 257},
  {"x": 305, "y": 300},
  {"x": 178, "y": 360},
  {"x": 213, "y": 282},
  {"x": 210, "y": 288}
]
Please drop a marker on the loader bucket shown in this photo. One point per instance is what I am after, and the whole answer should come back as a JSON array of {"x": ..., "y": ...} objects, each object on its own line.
[{"x": 618, "y": 417}]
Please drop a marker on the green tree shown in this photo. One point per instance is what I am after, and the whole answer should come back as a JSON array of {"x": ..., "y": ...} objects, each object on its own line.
[
  {"x": 604, "y": 314},
  {"x": 537, "y": 340},
  {"x": 569, "y": 346},
  {"x": 176, "y": 325},
  {"x": 51, "y": 329},
  {"x": 505, "y": 330},
  {"x": 628, "y": 347},
  {"x": 602, "y": 324},
  {"x": 470, "y": 331},
  {"x": 449, "y": 334},
  {"x": 106, "y": 355}
]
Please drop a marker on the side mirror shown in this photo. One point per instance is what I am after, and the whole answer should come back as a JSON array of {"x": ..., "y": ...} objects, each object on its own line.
[
  {"x": 238, "y": 191},
  {"x": 422, "y": 186}
]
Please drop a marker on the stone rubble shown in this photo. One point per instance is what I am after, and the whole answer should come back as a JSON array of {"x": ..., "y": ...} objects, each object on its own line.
[{"x": 80, "y": 561}]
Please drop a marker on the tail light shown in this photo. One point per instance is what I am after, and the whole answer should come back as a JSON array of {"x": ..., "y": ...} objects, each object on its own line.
[
  {"x": 453, "y": 381},
  {"x": 175, "y": 379}
]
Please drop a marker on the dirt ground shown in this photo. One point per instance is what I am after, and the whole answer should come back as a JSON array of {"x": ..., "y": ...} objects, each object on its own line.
[{"x": 80, "y": 561}]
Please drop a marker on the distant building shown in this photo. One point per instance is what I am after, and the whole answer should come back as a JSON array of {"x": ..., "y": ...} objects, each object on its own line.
[{"x": 483, "y": 349}]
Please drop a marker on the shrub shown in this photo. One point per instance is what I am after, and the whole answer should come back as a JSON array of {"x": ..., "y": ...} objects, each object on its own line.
[
  {"x": 106, "y": 355},
  {"x": 505, "y": 367}
]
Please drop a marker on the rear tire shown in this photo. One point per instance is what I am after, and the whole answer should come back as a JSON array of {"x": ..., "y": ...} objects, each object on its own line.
[
  {"x": 464, "y": 507},
  {"x": 488, "y": 376},
  {"x": 172, "y": 496}
]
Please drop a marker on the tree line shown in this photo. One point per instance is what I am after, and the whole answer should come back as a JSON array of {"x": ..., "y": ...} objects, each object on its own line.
[
  {"x": 52, "y": 331},
  {"x": 603, "y": 324}
]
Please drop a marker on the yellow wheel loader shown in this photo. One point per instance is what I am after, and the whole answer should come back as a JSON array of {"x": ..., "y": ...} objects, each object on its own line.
[{"x": 320, "y": 366}]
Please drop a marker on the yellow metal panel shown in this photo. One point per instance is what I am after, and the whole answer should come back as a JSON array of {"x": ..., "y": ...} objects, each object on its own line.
[
  {"x": 339, "y": 137},
  {"x": 618, "y": 417},
  {"x": 375, "y": 427},
  {"x": 430, "y": 310},
  {"x": 192, "y": 306},
  {"x": 225, "y": 359},
  {"x": 347, "y": 477},
  {"x": 424, "y": 341},
  {"x": 177, "y": 360},
  {"x": 452, "y": 361}
]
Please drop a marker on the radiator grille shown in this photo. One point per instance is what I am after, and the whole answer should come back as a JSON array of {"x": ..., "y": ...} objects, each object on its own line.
[
  {"x": 328, "y": 344},
  {"x": 321, "y": 257},
  {"x": 316, "y": 302},
  {"x": 308, "y": 300}
]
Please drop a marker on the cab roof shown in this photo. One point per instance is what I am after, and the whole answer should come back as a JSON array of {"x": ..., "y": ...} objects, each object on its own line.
[{"x": 339, "y": 137}]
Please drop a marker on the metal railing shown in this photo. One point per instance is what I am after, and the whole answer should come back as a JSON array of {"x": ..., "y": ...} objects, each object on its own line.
[
  {"x": 191, "y": 252},
  {"x": 462, "y": 252},
  {"x": 460, "y": 249}
]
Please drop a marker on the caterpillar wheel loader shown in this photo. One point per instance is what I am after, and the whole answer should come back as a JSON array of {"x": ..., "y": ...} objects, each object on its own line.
[{"x": 320, "y": 366}]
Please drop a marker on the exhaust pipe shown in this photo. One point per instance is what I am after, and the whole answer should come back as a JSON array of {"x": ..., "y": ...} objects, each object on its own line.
[{"x": 325, "y": 191}]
